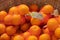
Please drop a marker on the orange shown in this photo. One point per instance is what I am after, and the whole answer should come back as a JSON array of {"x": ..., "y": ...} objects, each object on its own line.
[
  {"x": 44, "y": 37},
  {"x": 2, "y": 28},
  {"x": 16, "y": 19},
  {"x": 35, "y": 21},
  {"x": 8, "y": 20},
  {"x": 5, "y": 37},
  {"x": 52, "y": 24},
  {"x": 26, "y": 34},
  {"x": 25, "y": 27},
  {"x": 32, "y": 37},
  {"x": 57, "y": 32},
  {"x": 33, "y": 7},
  {"x": 35, "y": 30},
  {"x": 10, "y": 30},
  {"x": 13, "y": 10},
  {"x": 2, "y": 15},
  {"x": 18, "y": 37},
  {"x": 47, "y": 9},
  {"x": 54, "y": 37},
  {"x": 23, "y": 9}
]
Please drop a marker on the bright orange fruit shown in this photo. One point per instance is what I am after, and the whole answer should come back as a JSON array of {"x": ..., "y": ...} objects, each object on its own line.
[
  {"x": 2, "y": 28},
  {"x": 32, "y": 37},
  {"x": 52, "y": 24},
  {"x": 8, "y": 20},
  {"x": 23, "y": 9},
  {"x": 18, "y": 37},
  {"x": 35, "y": 21},
  {"x": 2, "y": 15},
  {"x": 33, "y": 7},
  {"x": 16, "y": 19},
  {"x": 57, "y": 32},
  {"x": 13, "y": 10},
  {"x": 47, "y": 9},
  {"x": 26, "y": 34},
  {"x": 44, "y": 37},
  {"x": 35, "y": 30},
  {"x": 5, "y": 37},
  {"x": 10, "y": 30}
]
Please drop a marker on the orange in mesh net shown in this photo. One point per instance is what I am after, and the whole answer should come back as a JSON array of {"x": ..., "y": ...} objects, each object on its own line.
[{"x": 23, "y": 9}]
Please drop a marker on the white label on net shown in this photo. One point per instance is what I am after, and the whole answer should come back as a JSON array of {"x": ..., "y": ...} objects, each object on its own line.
[
  {"x": 37, "y": 15},
  {"x": 55, "y": 13}
]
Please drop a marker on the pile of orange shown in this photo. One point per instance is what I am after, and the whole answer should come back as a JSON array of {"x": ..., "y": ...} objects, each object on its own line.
[{"x": 25, "y": 22}]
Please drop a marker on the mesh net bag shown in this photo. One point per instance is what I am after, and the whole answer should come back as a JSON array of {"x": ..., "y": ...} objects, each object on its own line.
[{"x": 6, "y": 4}]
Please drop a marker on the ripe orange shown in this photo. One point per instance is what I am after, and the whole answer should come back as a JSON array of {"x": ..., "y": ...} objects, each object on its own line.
[
  {"x": 5, "y": 37},
  {"x": 32, "y": 37},
  {"x": 35, "y": 21},
  {"x": 47, "y": 9},
  {"x": 8, "y": 20},
  {"x": 44, "y": 37},
  {"x": 33, "y": 7},
  {"x": 23, "y": 9},
  {"x": 52, "y": 24},
  {"x": 13, "y": 10},
  {"x": 2, "y": 15},
  {"x": 2, "y": 28},
  {"x": 57, "y": 32},
  {"x": 25, "y": 27},
  {"x": 26, "y": 34},
  {"x": 18, "y": 37},
  {"x": 10, "y": 30},
  {"x": 16, "y": 19},
  {"x": 35, "y": 30}
]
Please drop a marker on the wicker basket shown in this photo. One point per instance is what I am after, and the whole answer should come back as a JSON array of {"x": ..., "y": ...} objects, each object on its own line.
[{"x": 6, "y": 4}]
